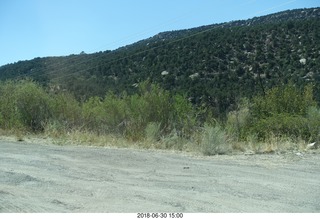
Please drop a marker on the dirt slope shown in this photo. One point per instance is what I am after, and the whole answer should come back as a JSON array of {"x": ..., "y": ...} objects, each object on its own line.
[{"x": 38, "y": 178}]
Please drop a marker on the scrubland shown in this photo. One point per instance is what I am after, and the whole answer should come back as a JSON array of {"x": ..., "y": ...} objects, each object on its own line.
[{"x": 283, "y": 118}]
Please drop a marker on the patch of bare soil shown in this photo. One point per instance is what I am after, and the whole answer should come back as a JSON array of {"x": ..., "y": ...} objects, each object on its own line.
[{"x": 48, "y": 178}]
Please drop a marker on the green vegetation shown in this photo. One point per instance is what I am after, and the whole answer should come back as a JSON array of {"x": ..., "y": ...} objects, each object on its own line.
[
  {"x": 284, "y": 111},
  {"x": 152, "y": 112},
  {"x": 240, "y": 85},
  {"x": 157, "y": 118},
  {"x": 215, "y": 65}
]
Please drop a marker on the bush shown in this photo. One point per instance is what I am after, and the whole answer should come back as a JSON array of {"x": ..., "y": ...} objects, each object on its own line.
[
  {"x": 66, "y": 110},
  {"x": 238, "y": 120},
  {"x": 116, "y": 111},
  {"x": 282, "y": 112},
  {"x": 137, "y": 117},
  {"x": 155, "y": 103},
  {"x": 131, "y": 115},
  {"x": 286, "y": 99},
  {"x": 94, "y": 115},
  {"x": 282, "y": 125},
  {"x": 214, "y": 141},
  {"x": 33, "y": 104},
  {"x": 184, "y": 115},
  {"x": 24, "y": 104},
  {"x": 10, "y": 116},
  {"x": 313, "y": 116}
]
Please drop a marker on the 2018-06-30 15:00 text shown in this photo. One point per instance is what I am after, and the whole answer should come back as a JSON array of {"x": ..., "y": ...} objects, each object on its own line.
[{"x": 159, "y": 215}]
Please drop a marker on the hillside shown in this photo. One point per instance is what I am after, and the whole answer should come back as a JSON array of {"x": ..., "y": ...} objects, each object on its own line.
[{"x": 216, "y": 64}]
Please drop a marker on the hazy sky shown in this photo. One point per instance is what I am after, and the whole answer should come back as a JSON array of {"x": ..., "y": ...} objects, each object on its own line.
[{"x": 38, "y": 28}]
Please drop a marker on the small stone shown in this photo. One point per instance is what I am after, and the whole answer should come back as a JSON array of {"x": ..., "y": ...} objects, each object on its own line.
[
  {"x": 164, "y": 73},
  {"x": 303, "y": 61},
  {"x": 299, "y": 154},
  {"x": 249, "y": 152}
]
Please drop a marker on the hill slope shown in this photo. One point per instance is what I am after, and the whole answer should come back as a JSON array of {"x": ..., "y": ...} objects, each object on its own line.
[{"x": 215, "y": 64}]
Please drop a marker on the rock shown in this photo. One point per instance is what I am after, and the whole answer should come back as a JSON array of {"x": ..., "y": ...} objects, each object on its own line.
[
  {"x": 312, "y": 146},
  {"x": 303, "y": 61},
  {"x": 193, "y": 76},
  {"x": 164, "y": 73},
  {"x": 299, "y": 154},
  {"x": 249, "y": 152}
]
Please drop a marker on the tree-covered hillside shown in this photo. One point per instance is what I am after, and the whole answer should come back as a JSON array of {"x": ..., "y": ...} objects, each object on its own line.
[{"x": 214, "y": 65}]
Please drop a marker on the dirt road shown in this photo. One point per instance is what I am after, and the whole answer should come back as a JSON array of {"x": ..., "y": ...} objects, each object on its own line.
[{"x": 38, "y": 178}]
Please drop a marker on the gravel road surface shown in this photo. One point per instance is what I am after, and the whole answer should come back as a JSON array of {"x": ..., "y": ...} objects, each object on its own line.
[{"x": 42, "y": 178}]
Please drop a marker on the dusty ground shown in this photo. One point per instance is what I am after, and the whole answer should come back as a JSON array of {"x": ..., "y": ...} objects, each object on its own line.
[{"x": 39, "y": 178}]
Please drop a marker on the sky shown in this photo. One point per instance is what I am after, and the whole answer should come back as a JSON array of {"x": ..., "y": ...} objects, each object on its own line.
[{"x": 40, "y": 28}]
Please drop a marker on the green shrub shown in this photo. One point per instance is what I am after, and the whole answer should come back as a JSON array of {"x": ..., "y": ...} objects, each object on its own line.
[
  {"x": 313, "y": 116},
  {"x": 94, "y": 115},
  {"x": 282, "y": 125},
  {"x": 283, "y": 99},
  {"x": 137, "y": 117},
  {"x": 10, "y": 116},
  {"x": 282, "y": 112},
  {"x": 131, "y": 115},
  {"x": 184, "y": 115},
  {"x": 66, "y": 110},
  {"x": 237, "y": 120},
  {"x": 154, "y": 105},
  {"x": 116, "y": 111},
  {"x": 24, "y": 104},
  {"x": 33, "y": 105}
]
